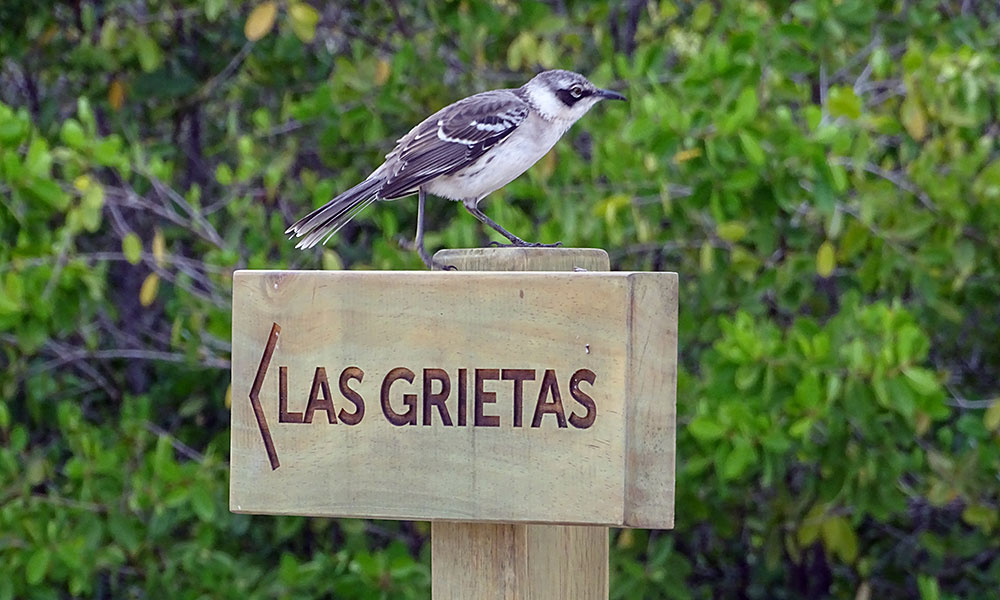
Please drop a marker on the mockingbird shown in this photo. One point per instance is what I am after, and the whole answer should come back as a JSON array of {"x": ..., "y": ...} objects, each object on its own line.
[{"x": 464, "y": 152}]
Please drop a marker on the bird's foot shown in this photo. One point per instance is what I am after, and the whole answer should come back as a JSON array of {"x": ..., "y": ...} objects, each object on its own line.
[
  {"x": 433, "y": 264},
  {"x": 427, "y": 259},
  {"x": 523, "y": 244}
]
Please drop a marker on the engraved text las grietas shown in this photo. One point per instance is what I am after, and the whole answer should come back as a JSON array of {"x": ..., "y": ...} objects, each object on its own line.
[{"x": 462, "y": 398}]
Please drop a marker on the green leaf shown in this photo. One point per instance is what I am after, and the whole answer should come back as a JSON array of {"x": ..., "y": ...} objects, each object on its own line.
[
  {"x": 805, "y": 11},
  {"x": 801, "y": 428},
  {"x": 332, "y": 261},
  {"x": 702, "y": 16},
  {"x": 826, "y": 259},
  {"x": 809, "y": 530},
  {"x": 705, "y": 429},
  {"x": 979, "y": 515},
  {"x": 747, "y": 375},
  {"x": 38, "y": 161},
  {"x": 776, "y": 442},
  {"x": 91, "y": 202},
  {"x": 928, "y": 587},
  {"x": 90, "y": 209},
  {"x": 288, "y": 569},
  {"x": 38, "y": 565},
  {"x": 9, "y": 306},
  {"x": 132, "y": 248},
  {"x": 12, "y": 299},
  {"x": 159, "y": 248},
  {"x": 106, "y": 151},
  {"x": 902, "y": 397},
  {"x": 202, "y": 503},
  {"x": 213, "y": 8},
  {"x": 738, "y": 460},
  {"x": 148, "y": 52},
  {"x": 163, "y": 458},
  {"x": 826, "y": 202},
  {"x": 12, "y": 131},
  {"x": 72, "y": 134},
  {"x": 881, "y": 62},
  {"x": 706, "y": 257},
  {"x": 752, "y": 149},
  {"x": 987, "y": 183},
  {"x": 914, "y": 119},
  {"x": 910, "y": 344},
  {"x": 923, "y": 381},
  {"x": 744, "y": 111},
  {"x": 223, "y": 174},
  {"x": 48, "y": 191},
  {"x": 124, "y": 531},
  {"x": 522, "y": 51},
  {"x": 841, "y": 101},
  {"x": 991, "y": 418},
  {"x": 808, "y": 392},
  {"x": 147, "y": 292},
  {"x": 85, "y": 113},
  {"x": 839, "y": 538},
  {"x": 303, "y": 19},
  {"x": 732, "y": 231}
]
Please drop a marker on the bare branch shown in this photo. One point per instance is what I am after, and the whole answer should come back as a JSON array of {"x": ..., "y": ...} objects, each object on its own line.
[
  {"x": 209, "y": 87},
  {"x": 895, "y": 177},
  {"x": 178, "y": 445},
  {"x": 959, "y": 402},
  {"x": 131, "y": 353}
]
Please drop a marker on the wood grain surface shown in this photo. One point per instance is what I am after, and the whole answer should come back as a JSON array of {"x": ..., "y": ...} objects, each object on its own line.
[{"x": 542, "y": 371}]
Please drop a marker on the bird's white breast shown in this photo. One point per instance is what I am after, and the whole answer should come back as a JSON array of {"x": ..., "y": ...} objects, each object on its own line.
[{"x": 503, "y": 163}]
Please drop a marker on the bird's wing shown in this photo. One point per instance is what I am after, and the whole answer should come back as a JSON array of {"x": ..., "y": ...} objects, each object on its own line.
[{"x": 453, "y": 138}]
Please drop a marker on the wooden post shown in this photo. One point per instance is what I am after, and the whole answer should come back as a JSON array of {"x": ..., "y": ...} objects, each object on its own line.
[
  {"x": 490, "y": 561},
  {"x": 516, "y": 561}
]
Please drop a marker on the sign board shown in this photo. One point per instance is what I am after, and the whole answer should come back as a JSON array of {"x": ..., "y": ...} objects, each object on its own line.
[{"x": 472, "y": 396}]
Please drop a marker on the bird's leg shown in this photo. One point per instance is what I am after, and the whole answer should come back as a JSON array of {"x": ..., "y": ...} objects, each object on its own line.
[
  {"x": 418, "y": 242},
  {"x": 470, "y": 205}
]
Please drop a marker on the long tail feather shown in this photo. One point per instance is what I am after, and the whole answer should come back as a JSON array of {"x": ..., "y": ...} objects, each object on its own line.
[{"x": 322, "y": 223}]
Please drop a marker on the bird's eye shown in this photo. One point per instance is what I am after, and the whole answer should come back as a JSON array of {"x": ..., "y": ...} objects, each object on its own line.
[{"x": 576, "y": 91}]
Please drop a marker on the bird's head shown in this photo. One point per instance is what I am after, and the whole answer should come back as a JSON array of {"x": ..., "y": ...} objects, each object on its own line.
[{"x": 565, "y": 95}]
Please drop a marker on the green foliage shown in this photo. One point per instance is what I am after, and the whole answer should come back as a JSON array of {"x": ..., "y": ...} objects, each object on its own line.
[
  {"x": 127, "y": 509},
  {"x": 825, "y": 177}
]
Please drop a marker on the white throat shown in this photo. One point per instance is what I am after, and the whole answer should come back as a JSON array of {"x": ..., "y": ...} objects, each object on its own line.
[{"x": 549, "y": 107}]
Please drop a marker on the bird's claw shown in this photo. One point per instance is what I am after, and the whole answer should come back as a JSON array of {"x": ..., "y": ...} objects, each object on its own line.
[
  {"x": 432, "y": 264},
  {"x": 524, "y": 244}
]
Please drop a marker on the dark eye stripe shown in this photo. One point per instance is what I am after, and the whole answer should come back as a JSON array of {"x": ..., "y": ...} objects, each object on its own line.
[{"x": 568, "y": 99}]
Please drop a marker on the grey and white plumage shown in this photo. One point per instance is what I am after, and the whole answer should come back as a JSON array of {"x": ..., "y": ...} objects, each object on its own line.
[{"x": 465, "y": 151}]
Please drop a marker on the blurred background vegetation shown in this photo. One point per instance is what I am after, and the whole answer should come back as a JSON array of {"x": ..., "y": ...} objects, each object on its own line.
[{"x": 824, "y": 175}]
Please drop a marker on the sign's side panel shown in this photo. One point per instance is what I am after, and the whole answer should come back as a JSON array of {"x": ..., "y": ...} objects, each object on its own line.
[
  {"x": 652, "y": 395},
  {"x": 467, "y": 396}
]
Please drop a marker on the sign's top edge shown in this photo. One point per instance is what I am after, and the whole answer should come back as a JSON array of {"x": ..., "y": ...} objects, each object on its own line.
[{"x": 318, "y": 272}]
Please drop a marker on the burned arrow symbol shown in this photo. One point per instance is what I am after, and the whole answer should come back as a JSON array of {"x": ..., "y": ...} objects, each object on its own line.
[{"x": 258, "y": 381}]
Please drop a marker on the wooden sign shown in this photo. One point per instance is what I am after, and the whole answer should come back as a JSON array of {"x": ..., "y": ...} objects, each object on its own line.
[{"x": 471, "y": 396}]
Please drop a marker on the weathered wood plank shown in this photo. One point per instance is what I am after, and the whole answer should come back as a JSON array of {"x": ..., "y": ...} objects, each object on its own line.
[
  {"x": 467, "y": 396},
  {"x": 525, "y": 259},
  {"x": 652, "y": 412}
]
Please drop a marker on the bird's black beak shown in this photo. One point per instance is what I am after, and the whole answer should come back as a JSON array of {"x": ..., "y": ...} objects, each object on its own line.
[{"x": 609, "y": 95}]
